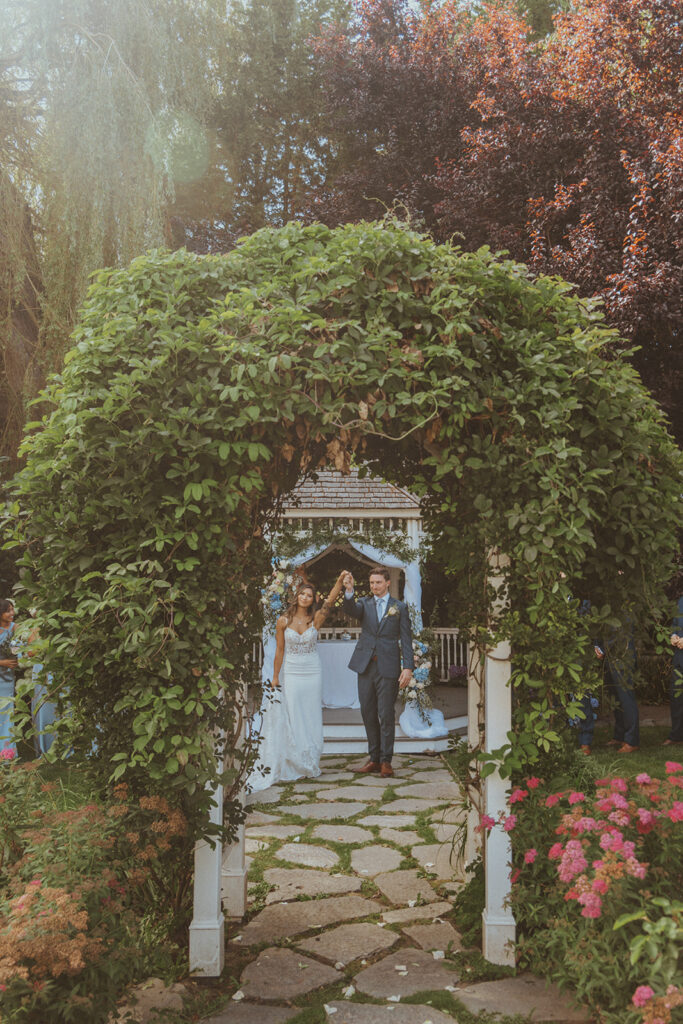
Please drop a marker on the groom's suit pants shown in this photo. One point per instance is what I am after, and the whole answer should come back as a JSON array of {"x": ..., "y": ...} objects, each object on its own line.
[{"x": 377, "y": 696}]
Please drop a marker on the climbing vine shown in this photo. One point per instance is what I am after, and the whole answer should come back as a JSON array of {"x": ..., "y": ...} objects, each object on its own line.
[{"x": 199, "y": 390}]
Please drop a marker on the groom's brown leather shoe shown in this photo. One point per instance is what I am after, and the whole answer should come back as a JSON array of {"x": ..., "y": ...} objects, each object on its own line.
[
  {"x": 371, "y": 766},
  {"x": 386, "y": 771}
]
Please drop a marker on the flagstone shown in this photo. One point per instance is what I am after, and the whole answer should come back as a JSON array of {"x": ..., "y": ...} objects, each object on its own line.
[
  {"x": 298, "y": 798},
  {"x": 304, "y": 853},
  {"x": 400, "y": 887},
  {"x": 393, "y": 835},
  {"x": 283, "y": 974},
  {"x": 434, "y": 791},
  {"x": 444, "y": 833},
  {"x": 409, "y": 806},
  {"x": 421, "y": 972},
  {"x": 253, "y": 1013},
  {"x": 351, "y": 793},
  {"x": 264, "y": 796},
  {"x": 284, "y": 919},
  {"x": 348, "y": 942},
  {"x": 438, "y": 935},
  {"x": 332, "y": 761},
  {"x": 373, "y": 780},
  {"x": 332, "y": 810},
  {"x": 395, "y": 820},
  {"x": 259, "y": 818},
  {"x": 342, "y": 834},
  {"x": 307, "y": 787},
  {"x": 435, "y": 774},
  {"x": 450, "y": 815},
  {"x": 430, "y": 912},
  {"x": 526, "y": 995},
  {"x": 333, "y": 775},
  {"x": 372, "y": 860},
  {"x": 274, "y": 831},
  {"x": 293, "y": 882},
  {"x": 439, "y": 859},
  {"x": 372, "y": 1013},
  {"x": 254, "y": 845}
]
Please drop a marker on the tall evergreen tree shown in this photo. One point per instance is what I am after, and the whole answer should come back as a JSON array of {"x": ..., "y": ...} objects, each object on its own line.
[{"x": 272, "y": 140}]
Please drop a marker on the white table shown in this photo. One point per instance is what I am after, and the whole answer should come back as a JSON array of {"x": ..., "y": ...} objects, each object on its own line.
[{"x": 340, "y": 684}]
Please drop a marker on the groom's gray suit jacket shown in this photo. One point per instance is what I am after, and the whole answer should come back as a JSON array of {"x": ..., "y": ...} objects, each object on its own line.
[{"x": 386, "y": 640}]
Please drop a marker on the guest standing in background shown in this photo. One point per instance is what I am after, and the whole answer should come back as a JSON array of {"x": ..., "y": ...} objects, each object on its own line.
[{"x": 8, "y": 666}]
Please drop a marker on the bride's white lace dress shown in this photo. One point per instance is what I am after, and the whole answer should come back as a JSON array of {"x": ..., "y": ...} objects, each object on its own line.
[{"x": 291, "y": 718}]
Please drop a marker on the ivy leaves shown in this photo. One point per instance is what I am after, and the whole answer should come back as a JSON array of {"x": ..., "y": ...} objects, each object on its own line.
[{"x": 199, "y": 390}]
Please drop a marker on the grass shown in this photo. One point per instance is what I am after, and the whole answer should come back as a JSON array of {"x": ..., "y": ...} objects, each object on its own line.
[{"x": 650, "y": 758}]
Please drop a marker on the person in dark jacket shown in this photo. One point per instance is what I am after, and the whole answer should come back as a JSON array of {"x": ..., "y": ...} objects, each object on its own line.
[{"x": 385, "y": 641}]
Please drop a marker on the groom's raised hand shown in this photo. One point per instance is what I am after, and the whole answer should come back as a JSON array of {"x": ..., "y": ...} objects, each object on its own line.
[{"x": 348, "y": 581}]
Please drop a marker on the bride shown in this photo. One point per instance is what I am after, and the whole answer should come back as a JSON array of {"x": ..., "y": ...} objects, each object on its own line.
[{"x": 292, "y": 730}]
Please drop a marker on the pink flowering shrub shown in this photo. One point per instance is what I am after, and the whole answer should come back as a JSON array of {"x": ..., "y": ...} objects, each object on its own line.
[{"x": 585, "y": 862}]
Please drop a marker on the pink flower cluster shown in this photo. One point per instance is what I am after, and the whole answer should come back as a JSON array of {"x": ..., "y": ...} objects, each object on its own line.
[
  {"x": 657, "y": 1009},
  {"x": 7, "y": 754},
  {"x": 486, "y": 823},
  {"x": 592, "y": 852},
  {"x": 572, "y": 862},
  {"x": 642, "y": 995}
]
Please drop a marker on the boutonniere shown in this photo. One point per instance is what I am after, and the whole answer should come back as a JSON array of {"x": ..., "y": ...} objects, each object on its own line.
[{"x": 392, "y": 610}]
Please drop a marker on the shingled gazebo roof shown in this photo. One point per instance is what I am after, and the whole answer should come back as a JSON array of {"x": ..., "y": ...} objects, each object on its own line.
[{"x": 334, "y": 490}]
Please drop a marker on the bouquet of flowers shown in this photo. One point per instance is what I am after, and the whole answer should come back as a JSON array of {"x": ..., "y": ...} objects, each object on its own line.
[
  {"x": 279, "y": 592},
  {"x": 9, "y": 647},
  {"x": 416, "y": 690}
]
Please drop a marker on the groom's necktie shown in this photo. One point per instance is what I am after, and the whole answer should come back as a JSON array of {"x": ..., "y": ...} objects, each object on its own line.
[{"x": 379, "y": 604}]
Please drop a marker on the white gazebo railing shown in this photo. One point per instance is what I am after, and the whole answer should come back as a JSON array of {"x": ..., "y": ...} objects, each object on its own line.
[{"x": 450, "y": 652}]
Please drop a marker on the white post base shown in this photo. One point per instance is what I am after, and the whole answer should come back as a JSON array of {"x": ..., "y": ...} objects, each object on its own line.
[
  {"x": 234, "y": 876},
  {"x": 207, "y": 948},
  {"x": 207, "y": 930},
  {"x": 499, "y": 938},
  {"x": 234, "y": 881}
]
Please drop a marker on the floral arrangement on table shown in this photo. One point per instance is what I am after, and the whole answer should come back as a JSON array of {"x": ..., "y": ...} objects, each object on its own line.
[
  {"x": 279, "y": 592},
  {"x": 416, "y": 690},
  {"x": 596, "y": 882}
]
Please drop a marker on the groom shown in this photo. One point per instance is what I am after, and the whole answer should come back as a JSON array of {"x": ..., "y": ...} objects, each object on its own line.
[{"x": 385, "y": 637}]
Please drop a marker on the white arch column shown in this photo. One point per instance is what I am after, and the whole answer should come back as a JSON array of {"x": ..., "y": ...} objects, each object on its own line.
[
  {"x": 499, "y": 930},
  {"x": 220, "y": 883},
  {"x": 207, "y": 930}
]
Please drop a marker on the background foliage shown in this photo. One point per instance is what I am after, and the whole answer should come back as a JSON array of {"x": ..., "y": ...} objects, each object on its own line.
[
  {"x": 129, "y": 124},
  {"x": 199, "y": 389}
]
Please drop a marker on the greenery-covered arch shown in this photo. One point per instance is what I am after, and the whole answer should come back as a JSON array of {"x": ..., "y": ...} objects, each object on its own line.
[{"x": 199, "y": 389}]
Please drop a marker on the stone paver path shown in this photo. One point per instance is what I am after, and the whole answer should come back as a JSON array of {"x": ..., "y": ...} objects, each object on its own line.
[{"x": 352, "y": 878}]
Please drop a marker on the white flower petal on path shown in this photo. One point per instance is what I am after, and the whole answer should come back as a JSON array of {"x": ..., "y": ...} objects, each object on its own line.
[
  {"x": 238, "y": 995},
  {"x": 438, "y": 954},
  {"x": 394, "y": 999},
  {"x": 329, "y": 1009}
]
